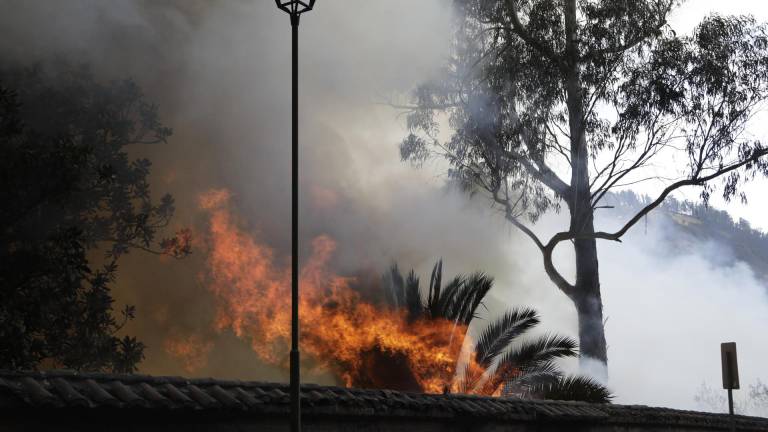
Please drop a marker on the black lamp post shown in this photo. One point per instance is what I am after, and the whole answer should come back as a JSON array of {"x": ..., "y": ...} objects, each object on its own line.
[{"x": 295, "y": 8}]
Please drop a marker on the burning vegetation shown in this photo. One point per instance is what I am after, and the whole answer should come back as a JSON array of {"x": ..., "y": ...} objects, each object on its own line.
[
  {"x": 192, "y": 350},
  {"x": 408, "y": 342},
  {"x": 339, "y": 331}
]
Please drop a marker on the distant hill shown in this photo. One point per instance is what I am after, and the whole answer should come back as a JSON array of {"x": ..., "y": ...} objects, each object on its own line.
[{"x": 695, "y": 221}]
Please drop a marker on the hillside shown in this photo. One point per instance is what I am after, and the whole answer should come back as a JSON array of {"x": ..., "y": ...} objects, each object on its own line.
[{"x": 693, "y": 222}]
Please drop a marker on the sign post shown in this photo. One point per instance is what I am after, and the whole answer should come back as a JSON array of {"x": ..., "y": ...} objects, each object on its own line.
[{"x": 730, "y": 370}]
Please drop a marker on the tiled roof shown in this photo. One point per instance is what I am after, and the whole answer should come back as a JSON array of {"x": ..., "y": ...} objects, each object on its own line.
[{"x": 96, "y": 391}]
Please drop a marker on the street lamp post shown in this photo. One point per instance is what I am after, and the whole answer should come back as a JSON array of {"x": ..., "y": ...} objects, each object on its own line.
[{"x": 295, "y": 8}]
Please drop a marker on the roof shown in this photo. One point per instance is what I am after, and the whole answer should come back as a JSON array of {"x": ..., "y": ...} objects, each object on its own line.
[{"x": 93, "y": 391}]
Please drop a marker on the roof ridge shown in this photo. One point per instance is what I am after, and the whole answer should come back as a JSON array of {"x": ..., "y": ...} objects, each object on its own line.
[
  {"x": 134, "y": 378},
  {"x": 65, "y": 388}
]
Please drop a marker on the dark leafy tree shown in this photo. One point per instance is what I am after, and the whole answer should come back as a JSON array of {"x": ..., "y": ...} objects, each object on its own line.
[
  {"x": 69, "y": 189},
  {"x": 504, "y": 360},
  {"x": 554, "y": 102}
]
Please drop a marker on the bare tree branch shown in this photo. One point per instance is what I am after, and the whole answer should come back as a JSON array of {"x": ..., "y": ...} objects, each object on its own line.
[
  {"x": 696, "y": 181},
  {"x": 546, "y": 250}
]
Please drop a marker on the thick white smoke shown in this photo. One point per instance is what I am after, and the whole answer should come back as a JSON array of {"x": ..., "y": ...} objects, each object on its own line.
[{"x": 669, "y": 301}]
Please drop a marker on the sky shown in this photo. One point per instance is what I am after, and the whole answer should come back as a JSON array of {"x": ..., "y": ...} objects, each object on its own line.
[{"x": 220, "y": 73}]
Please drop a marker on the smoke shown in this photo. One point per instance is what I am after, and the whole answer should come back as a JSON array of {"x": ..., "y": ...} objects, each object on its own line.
[
  {"x": 220, "y": 72},
  {"x": 669, "y": 300},
  {"x": 668, "y": 310}
]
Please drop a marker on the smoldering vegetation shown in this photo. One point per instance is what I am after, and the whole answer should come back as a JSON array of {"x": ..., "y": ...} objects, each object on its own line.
[{"x": 220, "y": 74}]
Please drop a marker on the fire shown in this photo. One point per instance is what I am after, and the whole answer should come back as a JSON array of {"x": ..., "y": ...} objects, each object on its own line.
[
  {"x": 360, "y": 343},
  {"x": 191, "y": 350}
]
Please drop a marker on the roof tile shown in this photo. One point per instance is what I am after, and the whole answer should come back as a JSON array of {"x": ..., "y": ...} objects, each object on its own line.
[
  {"x": 204, "y": 399},
  {"x": 68, "y": 393},
  {"x": 67, "y": 389},
  {"x": 225, "y": 398},
  {"x": 153, "y": 396},
  {"x": 173, "y": 393},
  {"x": 247, "y": 398},
  {"x": 131, "y": 398},
  {"x": 32, "y": 390},
  {"x": 98, "y": 394},
  {"x": 277, "y": 395}
]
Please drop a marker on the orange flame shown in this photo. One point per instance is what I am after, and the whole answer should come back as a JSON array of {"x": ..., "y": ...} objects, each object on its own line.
[
  {"x": 340, "y": 331},
  {"x": 191, "y": 350}
]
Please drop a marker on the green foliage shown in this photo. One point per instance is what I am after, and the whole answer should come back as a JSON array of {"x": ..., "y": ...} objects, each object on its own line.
[
  {"x": 509, "y": 360},
  {"x": 577, "y": 388},
  {"x": 498, "y": 335},
  {"x": 505, "y": 92},
  {"x": 531, "y": 362},
  {"x": 68, "y": 186},
  {"x": 457, "y": 301}
]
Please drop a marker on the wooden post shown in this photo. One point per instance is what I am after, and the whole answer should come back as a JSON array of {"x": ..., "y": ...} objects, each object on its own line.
[{"x": 730, "y": 374}]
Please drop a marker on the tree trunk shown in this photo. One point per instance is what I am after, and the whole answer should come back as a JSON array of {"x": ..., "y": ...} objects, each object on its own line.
[
  {"x": 589, "y": 305},
  {"x": 586, "y": 292}
]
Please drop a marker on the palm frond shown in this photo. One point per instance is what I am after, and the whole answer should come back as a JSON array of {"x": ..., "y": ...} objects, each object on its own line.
[
  {"x": 527, "y": 368},
  {"x": 434, "y": 288},
  {"x": 538, "y": 374},
  {"x": 502, "y": 332},
  {"x": 393, "y": 280},
  {"x": 573, "y": 388},
  {"x": 445, "y": 306},
  {"x": 528, "y": 357},
  {"x": 469, "y": 379},
  {"x": 540, "y": 350},
  {"x": 518, "y": 382},
  {"x": 471, "y": 296},
  {"x": 459, "y": 299},
  {"x": 413, "y": 301}
]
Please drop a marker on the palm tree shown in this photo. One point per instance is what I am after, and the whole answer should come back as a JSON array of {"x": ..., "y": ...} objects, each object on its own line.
[{"x": 501, "y": 362}]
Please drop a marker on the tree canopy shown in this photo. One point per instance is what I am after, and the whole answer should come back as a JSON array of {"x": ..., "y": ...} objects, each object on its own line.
[
  {"x": 69, "y": 190},
  {"x": 558, "y": 102}
]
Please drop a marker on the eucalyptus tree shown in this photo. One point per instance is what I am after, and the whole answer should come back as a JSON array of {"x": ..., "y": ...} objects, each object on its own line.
[{"x": 559, "y": 102}]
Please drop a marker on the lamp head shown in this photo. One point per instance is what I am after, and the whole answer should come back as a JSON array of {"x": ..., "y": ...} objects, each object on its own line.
[{"x": 295, "y": 7}]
